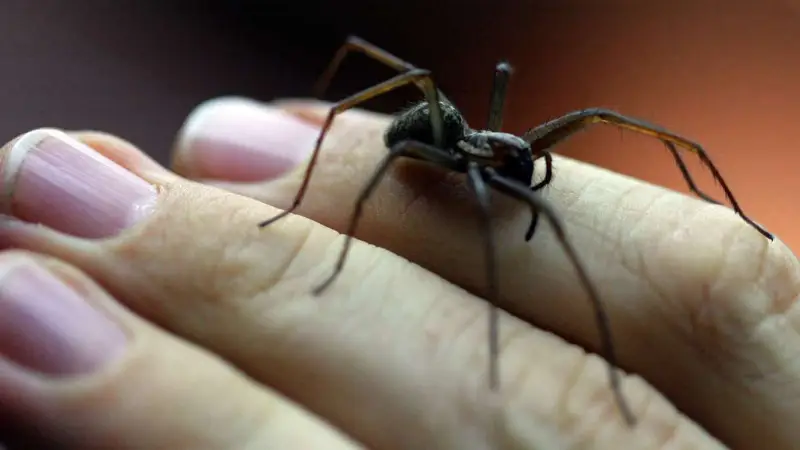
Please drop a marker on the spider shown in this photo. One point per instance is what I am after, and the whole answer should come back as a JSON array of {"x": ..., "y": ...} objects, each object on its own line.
[{"x": 434, "y": 131}]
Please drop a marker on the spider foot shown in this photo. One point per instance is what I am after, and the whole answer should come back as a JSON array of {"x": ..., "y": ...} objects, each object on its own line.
[
  {"x": 275, "y": 219},
  {"x": 324, "y": 285},
  {"x": 532, "y": 226},
  {"x": 708, "y": 199},
  {"x": 540, "y": 185},
  {"x": 760, "y": 229},
  {"x": 625, "y": 410}
]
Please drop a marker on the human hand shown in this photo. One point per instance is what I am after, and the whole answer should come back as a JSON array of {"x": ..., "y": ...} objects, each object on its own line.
[{"x": 393, "y": 355}]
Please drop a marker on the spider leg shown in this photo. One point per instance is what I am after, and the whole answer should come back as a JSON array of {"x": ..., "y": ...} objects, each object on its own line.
[
  {"x": 482, "y": 193},
  {"x": 523, "y": 193},
  {"x": 418, "y": 76},
  {"x": 411, "y": 149},
  {"x": 551, "y": 133},
  {"x": 355, "y": 43},
  {"x": 548, "y": 170},
  {"x": 502, "y": 73},
  {"x": 532, "y": 226},
  {"x": 548, "y": 176},
  {"x": 687, "y": 175}
]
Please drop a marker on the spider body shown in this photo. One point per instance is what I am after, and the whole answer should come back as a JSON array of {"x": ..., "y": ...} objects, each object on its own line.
[
  {"x": 508, "y": 154},
  {"x": 434, "y": 131}
]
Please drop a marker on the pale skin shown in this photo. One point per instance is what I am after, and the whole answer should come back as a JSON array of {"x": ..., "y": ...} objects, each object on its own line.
[{"x": 393, "y": 356}]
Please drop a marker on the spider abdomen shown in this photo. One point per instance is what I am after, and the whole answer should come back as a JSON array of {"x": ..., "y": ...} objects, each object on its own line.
[{"x": 414, "y": 124}]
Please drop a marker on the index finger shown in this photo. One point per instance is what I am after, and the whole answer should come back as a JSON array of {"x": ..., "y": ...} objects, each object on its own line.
[{"x": 684, "y": 281}]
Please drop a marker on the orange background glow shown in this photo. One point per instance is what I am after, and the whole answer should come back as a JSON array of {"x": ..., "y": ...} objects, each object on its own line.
[{"x": 727, "y": 77}]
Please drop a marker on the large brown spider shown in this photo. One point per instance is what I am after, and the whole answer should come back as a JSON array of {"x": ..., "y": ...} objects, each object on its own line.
[{"x": 434, "y": 131}]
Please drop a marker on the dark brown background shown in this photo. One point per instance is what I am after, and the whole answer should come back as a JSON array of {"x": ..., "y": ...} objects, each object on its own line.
[{"x": 726, "y": 73}]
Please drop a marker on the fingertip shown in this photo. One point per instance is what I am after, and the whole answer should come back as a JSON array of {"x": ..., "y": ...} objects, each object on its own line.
[
  {"x": 238, "y": 139},
  {"x": 50, "y": 177},
  {"x": 51, "y": 324}
]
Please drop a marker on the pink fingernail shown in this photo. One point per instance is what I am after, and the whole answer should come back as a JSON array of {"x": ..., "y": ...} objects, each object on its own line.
[
  {"x": 53, "y": 179},
  {"x": 236, "y": 139},
  {"x": 47, "y": 327}
]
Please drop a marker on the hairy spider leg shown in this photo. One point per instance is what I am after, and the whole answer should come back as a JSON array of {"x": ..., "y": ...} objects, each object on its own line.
[
  {"x": 420, "y": 77},
  {"x": 548, "y": 169},
  {"x": 502, "y": 73},
  {"x": 548, "y": 177},
  {"x": 410, "y": 149},
  {"x": 521, "y": 192},
  {"x": 483, "y": 194},
  {"x": 547, "y": 135},
  {"x": 687, "y": 175},
  {"x": 355, "y": 43}
]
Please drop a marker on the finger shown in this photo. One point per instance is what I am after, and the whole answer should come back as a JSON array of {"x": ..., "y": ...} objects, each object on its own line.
[
  {"x": 242, "y": 151},
  {"x": 78, "y": 371},
  {"x": 391, "y": 354},
  {"x": 123, "y": 153},
  {"x": 681, "y": 279}
]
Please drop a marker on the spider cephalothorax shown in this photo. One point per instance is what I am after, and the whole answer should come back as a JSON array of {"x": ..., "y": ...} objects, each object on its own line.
[{"x": 434, "y": 131}]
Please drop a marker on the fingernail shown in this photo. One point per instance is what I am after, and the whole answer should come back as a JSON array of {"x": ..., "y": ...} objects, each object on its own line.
[
  {"x": 236, "y": 139},
  {"x": 50, "y": 178},
  {"x": 47, "y": 327}
]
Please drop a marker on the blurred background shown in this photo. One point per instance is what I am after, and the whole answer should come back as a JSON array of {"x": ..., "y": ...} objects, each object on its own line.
[{"x": 725, "y": 73}]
